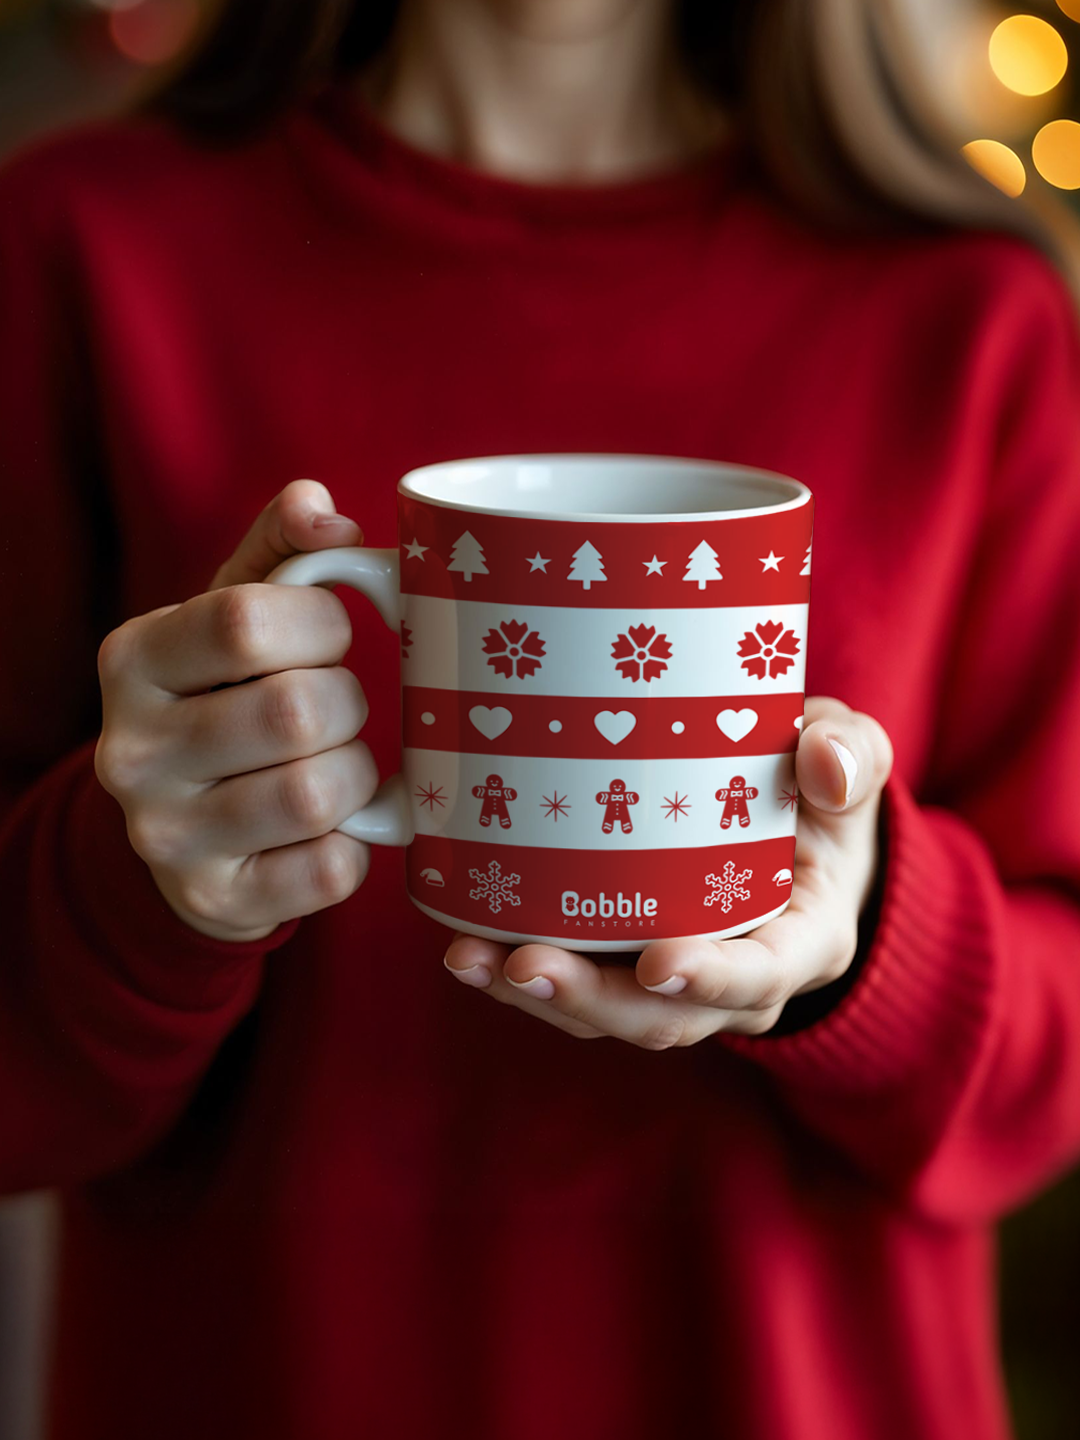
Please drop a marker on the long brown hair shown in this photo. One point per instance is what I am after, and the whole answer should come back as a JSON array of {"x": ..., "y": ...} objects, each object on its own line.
[{"x": 827, "y": 95}]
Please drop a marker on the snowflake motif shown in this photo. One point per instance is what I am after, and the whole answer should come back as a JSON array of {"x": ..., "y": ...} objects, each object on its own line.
[
  {"x": 494, "y": 887},
  {"x": 406, "y": 641},
  {"x": 641, "y": 653},
  {"x": 789, "y": 798},
  {"x": 771, "y": 649},
  {"x": 513, "y": 649},
  {"x": 727, "y": 886}
]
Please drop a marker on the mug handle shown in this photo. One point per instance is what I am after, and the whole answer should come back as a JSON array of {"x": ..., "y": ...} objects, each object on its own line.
[{"x": 387, "y": 818}]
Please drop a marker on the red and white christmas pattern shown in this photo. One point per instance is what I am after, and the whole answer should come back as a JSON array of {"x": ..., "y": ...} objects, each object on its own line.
[
  {"x": 578, "y": 804},
  {"x": 616, "y": 801},
  {"x": 535, "y": 654},
  {"x": 494, "y": 795},
  {"x": 751, "y": 560},
  {"x": 571, "y": 896},
  {"x": 734, "y": 797}
]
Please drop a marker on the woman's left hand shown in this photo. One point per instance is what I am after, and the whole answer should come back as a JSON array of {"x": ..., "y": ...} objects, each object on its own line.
[{"x": 683, "y": 990}]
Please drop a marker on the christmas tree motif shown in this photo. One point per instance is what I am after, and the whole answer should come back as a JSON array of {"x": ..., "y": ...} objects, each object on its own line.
[
  {"x": 467, "y": 556},
  {"x": 806, "y": 561},
  {"x": 494, "y": 794},
  {"x": 587, "y": 566},
  {"x": 734, "y": 797},
  {"x": 616, "y": 801},
  {"x": 703, "y": 565}
]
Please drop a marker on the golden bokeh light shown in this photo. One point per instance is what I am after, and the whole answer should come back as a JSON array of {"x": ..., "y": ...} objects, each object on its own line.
[
  {"x": 998, "y": 163},
  {"x": 1027, "y": 54},
  {"x": 1055, "y": 152},
  {"x": 1071, "y": 8}
]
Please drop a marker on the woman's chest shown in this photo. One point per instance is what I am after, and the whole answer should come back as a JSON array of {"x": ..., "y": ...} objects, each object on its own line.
[{"x": 354, "y": 374}]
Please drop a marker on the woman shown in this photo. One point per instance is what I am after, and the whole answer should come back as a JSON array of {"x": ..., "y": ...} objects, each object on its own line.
[{"x": 313, "y": 1187}]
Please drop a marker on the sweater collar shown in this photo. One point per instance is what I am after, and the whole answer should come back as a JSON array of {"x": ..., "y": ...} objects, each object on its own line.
[{"x": 690, "y": 187}]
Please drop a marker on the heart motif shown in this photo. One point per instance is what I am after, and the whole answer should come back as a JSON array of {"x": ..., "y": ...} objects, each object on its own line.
[
  {"x": 615, "y": 725},
  {"x": 799, "y": 722},
  {"x": 736, "y": 724},
  {"x": 490, "y": 723}
]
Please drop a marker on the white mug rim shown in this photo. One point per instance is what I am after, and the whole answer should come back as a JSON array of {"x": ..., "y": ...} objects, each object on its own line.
[{"x": 800, "y": 495}]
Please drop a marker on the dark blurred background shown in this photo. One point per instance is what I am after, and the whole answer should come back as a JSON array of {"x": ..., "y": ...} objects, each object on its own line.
[{"x": 1006, "y": 80}]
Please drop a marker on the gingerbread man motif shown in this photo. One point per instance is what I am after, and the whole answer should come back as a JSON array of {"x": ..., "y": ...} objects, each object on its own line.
[
  {"x": 494, "y": 794},
  {"x": 616, "y": 802},
  {"x": 735, "y": 797}
]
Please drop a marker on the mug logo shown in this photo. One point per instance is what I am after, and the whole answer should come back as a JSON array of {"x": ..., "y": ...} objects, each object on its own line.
[{"x": 608, "y": 907}]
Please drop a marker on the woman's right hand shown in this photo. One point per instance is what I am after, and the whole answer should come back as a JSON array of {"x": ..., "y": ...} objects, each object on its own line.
[{"x": 233, "y": 795}]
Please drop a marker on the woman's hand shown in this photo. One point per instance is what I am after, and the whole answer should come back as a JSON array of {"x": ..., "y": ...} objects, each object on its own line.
[
  {"x": 232, "y": 791},
  {"x": 684, "y": 990}
]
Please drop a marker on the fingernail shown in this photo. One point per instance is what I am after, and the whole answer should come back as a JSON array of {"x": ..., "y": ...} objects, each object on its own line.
[
  {"x": 318, "y": 521},
  {"x": 850, "y": 767},
  {"x": 539, "y": 987},
  {"x": 478, "y": 975},
  {"x": 671, "y": 986}
]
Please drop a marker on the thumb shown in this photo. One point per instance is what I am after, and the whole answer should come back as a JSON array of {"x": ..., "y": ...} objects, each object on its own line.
[
  {"x": 844, "y": 757},
  {"x": 300, "y": 517}
]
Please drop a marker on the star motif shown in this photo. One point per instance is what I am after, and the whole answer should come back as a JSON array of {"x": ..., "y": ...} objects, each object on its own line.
[
  {"x": 430, "y": 796},
  {"x": 789, "y": 798},
  {"x": 770, "y": 561},
  {"x": 654, "y": 566},
  {"x": 537, "y": 562},
  {"x": 554, "y": 805},
  {"x": 415, "y": 551},
  {"x": 676, "y": 807}
]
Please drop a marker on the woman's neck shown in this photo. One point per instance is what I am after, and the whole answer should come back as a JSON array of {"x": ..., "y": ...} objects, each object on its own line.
[{"x": 542, "y": 90}]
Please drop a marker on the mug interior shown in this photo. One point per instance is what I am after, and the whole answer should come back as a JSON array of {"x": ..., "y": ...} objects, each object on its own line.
[{"x": 603, "y": 487}]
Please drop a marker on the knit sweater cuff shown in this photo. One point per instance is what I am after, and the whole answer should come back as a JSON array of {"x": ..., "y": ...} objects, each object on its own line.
[
  {"x": 919, "y": 1010},
  {"x": 123, "y": 914}
]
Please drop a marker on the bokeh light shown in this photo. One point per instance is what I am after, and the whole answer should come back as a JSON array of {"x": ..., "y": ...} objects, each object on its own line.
[
  {"x": 1027, "y": 54},
  {"x": 1071, "y": 8},
  {"x": 1055, "y": 152},
  {"x": 998, "y": 163},
  {"x": 152, "y": 31}
]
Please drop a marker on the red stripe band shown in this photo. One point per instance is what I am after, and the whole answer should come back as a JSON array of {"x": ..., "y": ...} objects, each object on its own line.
[
  {"x": 584, "y": 895},
  {"x": 585, "y": 727},
  {"x": 686, "y": 563}
]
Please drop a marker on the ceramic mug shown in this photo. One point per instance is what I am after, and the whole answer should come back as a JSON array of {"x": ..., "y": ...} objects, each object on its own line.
[{"x": 602, "y": 662}]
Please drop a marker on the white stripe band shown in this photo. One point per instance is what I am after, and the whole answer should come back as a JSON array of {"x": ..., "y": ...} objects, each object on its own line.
[
  {"x": 447, "y": 649},
  {"x": 451, "y": 809}
]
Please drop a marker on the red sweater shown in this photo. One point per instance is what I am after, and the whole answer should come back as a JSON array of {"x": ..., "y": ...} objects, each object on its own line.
[{"x": 314, "y": 1188}]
